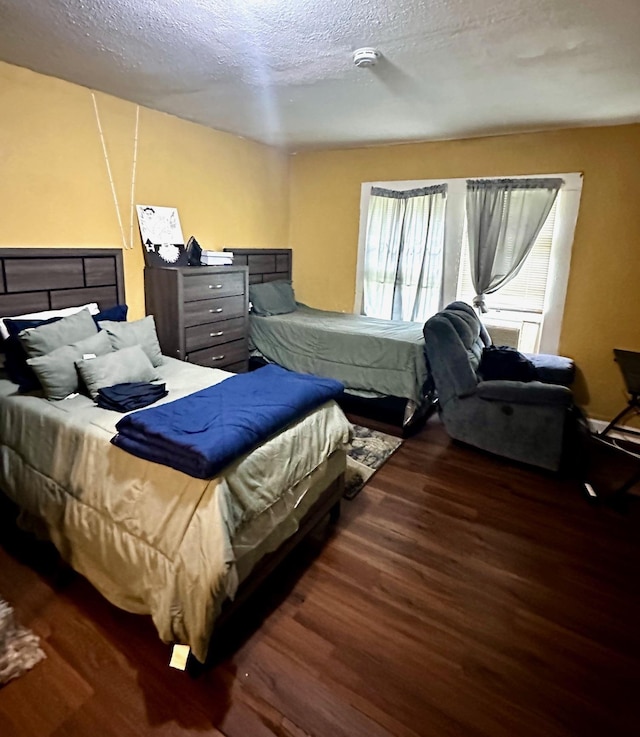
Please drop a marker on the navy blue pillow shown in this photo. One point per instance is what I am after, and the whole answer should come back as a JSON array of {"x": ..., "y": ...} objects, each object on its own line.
[
  {"x": 15, "y": 362},
  {"x": 116, "y": 314}
]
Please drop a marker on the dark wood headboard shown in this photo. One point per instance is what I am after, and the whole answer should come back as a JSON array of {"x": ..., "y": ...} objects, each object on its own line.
[
  {"x": 265, "y": 264},
  {"x": 37, "y": 279}
]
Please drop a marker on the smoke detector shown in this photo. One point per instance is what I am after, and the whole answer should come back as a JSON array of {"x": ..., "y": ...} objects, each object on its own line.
[{"x": 366, "y": 57}]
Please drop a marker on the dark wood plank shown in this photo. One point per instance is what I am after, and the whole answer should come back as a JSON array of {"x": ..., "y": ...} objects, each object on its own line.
[
  {"x": 20, "y": 304},
  {"x": 459, "y": 595},
  {"x": 262, "y": 263},
  {"x": 104, "y": 296},
  {"x": 100, "y": 271},
  {"x": 52, "y": 273},
  {"x": 283, "y": 263},
  {"x": 273, "y": 277}
]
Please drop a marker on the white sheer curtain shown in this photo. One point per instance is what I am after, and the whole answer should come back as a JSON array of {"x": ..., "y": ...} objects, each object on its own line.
[
  {"x": 404, "y": 253},
  {"x": 504, "y": 217}
]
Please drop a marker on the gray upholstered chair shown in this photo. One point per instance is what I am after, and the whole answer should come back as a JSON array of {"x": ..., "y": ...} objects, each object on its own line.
[{"x": 524, "y": 421}]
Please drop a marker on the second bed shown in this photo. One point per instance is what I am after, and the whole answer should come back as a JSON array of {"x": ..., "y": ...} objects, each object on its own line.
[{"x": 373, "y": 358}]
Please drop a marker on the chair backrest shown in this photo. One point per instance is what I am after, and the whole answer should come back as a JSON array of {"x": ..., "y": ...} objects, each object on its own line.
[
  {"x": 629, "y": 362},
  {"x": 464, "y": 307},
  {"x": 454, "y": 340}
]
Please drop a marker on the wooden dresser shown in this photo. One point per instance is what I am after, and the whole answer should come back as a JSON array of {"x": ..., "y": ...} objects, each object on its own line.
[{"x": 201, "y": 314}]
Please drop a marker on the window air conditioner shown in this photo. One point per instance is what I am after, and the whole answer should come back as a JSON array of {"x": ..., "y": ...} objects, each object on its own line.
[{"x": 505, "y": 334}]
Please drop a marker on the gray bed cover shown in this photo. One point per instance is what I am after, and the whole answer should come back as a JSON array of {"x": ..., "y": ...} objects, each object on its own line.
[{"x": 367, "y": 354}]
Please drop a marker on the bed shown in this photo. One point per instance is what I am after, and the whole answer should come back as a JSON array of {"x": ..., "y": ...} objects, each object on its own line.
[
  {"x": 372, "y": 357},
  {"x": 151, "y": 539}
]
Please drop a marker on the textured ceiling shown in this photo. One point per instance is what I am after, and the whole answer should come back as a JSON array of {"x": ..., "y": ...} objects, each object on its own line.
[{"x": 280, "y": 71}]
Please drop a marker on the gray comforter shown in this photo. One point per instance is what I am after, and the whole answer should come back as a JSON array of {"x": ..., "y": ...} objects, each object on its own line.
[
  {"x": 368, "y": 355},
  {"x": 151, "y": 539}
]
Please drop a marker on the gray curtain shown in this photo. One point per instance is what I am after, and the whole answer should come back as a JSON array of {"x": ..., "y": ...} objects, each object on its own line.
[
  {"x": 504, "y": 217},
  {"x": 404, "y": 252}
]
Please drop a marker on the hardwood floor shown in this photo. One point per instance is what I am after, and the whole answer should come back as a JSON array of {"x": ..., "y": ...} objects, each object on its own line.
[{"x": 458, "y": 595}]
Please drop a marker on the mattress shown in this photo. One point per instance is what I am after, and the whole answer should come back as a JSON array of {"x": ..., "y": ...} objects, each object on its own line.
[
  {"x": 151, "y": 539},
  {"x": 383, "y": 357}
]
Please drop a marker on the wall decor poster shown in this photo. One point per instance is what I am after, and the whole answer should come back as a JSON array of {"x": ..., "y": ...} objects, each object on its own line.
[{"x": 161, "y": 233}]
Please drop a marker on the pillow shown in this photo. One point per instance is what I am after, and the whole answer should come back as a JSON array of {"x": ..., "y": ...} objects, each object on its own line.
[
  {"x": 505, "y": 363},
  {"x": 119, "y": 367},
  {"x": 56, "y": 371},
  {"x": 139, "y": 332},
  {"x": 46, "y": 338},
  {"x": 118, "y": 313},
  {"x": 272, "y": 298},
  {"x": 15, "y": 355},
  {"x": 65, "y": 312}
]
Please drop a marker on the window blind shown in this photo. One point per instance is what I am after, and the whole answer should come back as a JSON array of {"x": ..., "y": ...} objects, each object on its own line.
[{"x": 526, "y": 291}]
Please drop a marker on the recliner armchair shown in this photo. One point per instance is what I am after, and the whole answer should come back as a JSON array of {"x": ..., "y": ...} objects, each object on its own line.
[{"x": 524, "y": 421}]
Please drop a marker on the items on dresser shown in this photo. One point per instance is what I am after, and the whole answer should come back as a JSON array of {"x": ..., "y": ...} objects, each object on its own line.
[
  {"x": 216, "y": 258},
  {"x": 201, "y": 314},
  {"x": 194, "y": 252}
]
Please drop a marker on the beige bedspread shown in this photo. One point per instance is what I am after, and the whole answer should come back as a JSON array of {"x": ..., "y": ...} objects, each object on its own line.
[{"x": 150, "y": 538}]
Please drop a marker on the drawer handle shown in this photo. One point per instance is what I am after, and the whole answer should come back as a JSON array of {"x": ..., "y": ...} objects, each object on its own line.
[
  {"x": 216, "y": 335},
  {"x": 217, "y": 309},
  {"x": 217, "y": 358},
  {"x": 215, "y": 286}
]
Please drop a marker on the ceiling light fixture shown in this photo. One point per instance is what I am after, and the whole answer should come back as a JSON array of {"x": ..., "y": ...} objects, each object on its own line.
[{"x": 366, "y": 57}]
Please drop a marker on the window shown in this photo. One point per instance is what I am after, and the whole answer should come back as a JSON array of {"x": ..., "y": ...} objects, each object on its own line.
[
  {"x": 515, "y": 311},
  {"x": 526, "y": 312},
  {"x": 403, "y": 254},
  {"x": 526, "y": 291}
]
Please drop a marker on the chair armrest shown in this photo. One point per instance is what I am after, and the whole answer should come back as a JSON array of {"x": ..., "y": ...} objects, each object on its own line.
[{"x": 521, "y": 392}]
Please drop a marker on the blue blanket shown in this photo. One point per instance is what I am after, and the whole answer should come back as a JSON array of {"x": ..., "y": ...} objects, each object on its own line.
[{"x": 202, "y": 433}]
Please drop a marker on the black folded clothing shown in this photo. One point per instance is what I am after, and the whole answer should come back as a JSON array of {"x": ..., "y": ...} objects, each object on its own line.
[{"x": 132, "y": 395}]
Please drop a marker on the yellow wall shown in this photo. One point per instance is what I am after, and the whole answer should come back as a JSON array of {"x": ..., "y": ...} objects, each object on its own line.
[
  {"x": 54, "y": 191},
  {"x": 54, "y": 188},
  {"x": 603, "y": 299}
]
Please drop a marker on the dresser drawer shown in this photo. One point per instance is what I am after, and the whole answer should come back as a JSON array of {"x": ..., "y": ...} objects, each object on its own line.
[
  {"x": 220, "y": 356},
  {"x": 212, "y": 310},
  {"x": 206, "y": 286},
  {"x": 214, "y": 333}
]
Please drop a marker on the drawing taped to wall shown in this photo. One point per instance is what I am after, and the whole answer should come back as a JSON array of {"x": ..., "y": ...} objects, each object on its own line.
[{"x": 161, "y": 233}]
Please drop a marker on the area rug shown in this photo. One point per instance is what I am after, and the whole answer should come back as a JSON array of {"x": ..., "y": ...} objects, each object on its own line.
[
  {"x": 369, "y": 450},
  {"x": 19, "y": 647}
]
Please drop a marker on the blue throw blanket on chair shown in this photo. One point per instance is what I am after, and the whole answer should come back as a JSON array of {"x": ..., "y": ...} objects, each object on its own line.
[{"x": 202, "y": 433}]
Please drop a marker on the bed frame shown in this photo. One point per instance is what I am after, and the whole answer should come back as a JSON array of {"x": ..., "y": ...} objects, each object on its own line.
[
  {"x": 36, "y": 279},
  {"x": 265, "y": 264}
]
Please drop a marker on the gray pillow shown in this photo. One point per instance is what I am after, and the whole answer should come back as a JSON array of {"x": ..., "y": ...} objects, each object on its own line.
[
  {"x": 119, "y": 367},
  {"x": 56, "y": 371},
  {"x": 272, "y": 298},
  {"x": 140, "y": 332},
  {"x": 46, "y": 338}
]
